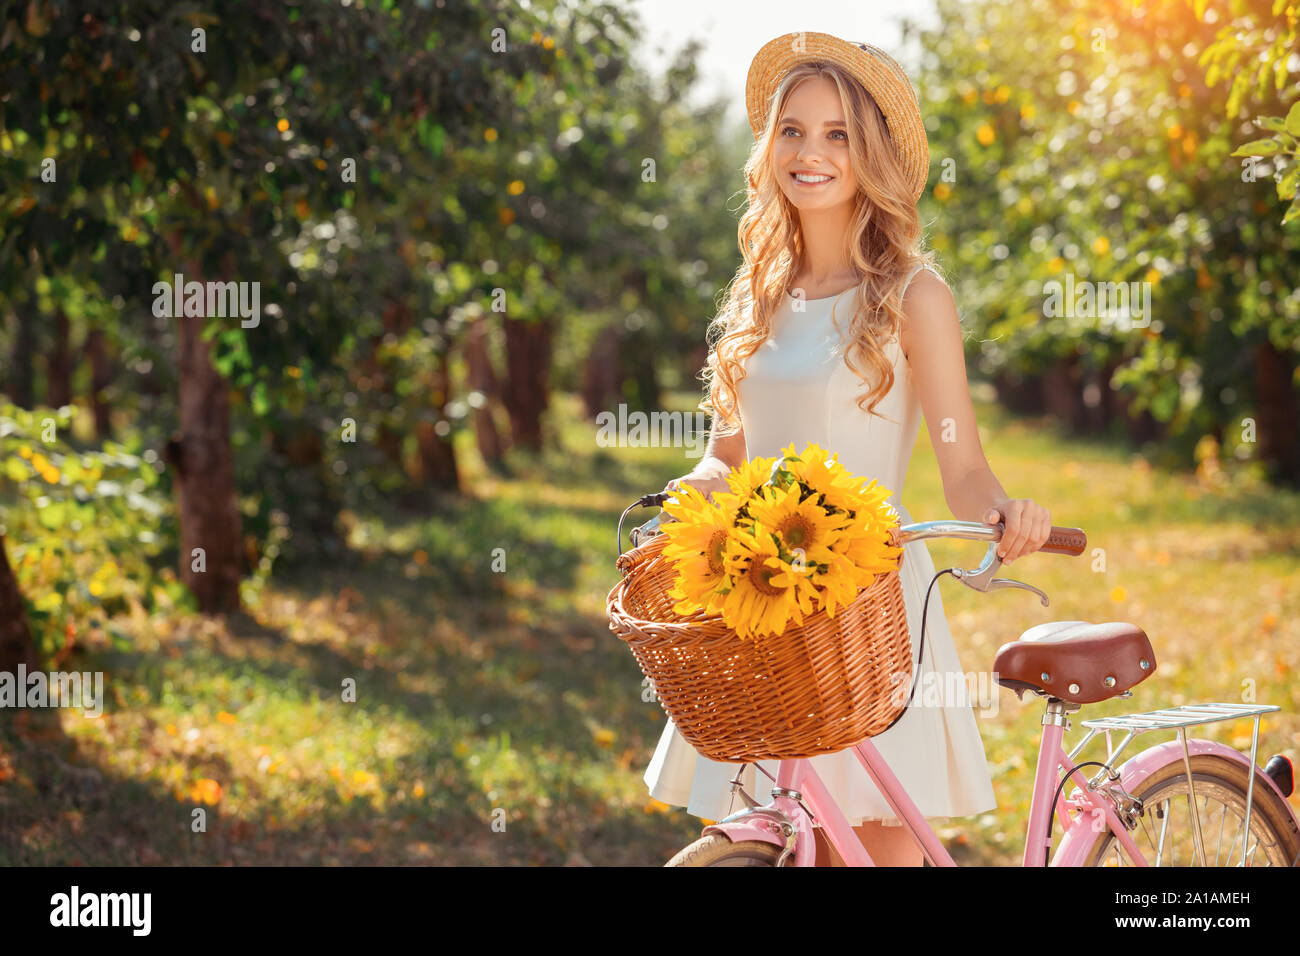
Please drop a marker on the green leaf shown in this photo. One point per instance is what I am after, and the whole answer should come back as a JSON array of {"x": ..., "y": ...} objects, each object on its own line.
[
  {"x": 52, "y": 515},
  {"x": 1293, "y": 213},
  {"x": 1286, "y": 187},
  {"x": 1239, "y": 86},
  {"x": 1258, "y": 147},
  {"x": 1293, "y": 119},
  {"x": 16, "y": 471},
  {"x": 261, "y": 404}
]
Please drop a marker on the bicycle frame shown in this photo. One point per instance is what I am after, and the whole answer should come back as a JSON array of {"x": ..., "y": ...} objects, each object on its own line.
[
  {"x": 797, "y": 779},
  {"x": 784, "y": 822}
]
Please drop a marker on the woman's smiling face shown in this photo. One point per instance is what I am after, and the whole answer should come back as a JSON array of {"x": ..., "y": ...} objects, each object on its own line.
[{"x": 810, "y": 155}]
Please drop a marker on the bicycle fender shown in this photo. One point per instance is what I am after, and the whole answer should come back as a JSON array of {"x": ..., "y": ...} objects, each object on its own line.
[{"x": 766, "y": 829}]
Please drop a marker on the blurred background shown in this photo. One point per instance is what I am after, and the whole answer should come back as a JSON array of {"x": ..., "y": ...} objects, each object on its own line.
[{"x": 342, "y": 557}]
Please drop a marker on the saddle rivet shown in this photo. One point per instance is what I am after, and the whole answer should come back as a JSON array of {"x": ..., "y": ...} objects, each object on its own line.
[
  {"x": 1144, "y": 664},
  {"x": 1074, "y": 688},
  {"x": 1045, "y": 677},
  {"x": 1109, "y": 682}
]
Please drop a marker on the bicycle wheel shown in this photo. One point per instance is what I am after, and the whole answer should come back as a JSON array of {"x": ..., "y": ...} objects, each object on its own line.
[
  {"x": 716, "y": 850},
  {"x": 1165, "y": 832}
]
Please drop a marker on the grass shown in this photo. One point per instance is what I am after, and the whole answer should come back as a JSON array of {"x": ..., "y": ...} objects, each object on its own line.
[{"x": 494, "y": 718}]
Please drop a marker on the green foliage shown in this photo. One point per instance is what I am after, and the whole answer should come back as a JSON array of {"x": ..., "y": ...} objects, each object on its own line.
[
  {"x": 1073, "y": 138},
  {"x": 84, "y": 527},
  {"x": 1254, "y": 51}
]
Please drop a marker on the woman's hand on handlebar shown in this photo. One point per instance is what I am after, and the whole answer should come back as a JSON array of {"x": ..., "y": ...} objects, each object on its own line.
[
  {"x": 1027, "y": 526},
  {"x": 705, "y": 484}
]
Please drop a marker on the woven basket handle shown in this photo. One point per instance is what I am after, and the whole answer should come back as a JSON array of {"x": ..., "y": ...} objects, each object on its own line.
[{"x": 629, "y": 561}]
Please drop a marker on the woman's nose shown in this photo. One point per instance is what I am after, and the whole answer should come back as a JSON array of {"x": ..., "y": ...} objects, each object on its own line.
[{"x": 807, "y": 153}]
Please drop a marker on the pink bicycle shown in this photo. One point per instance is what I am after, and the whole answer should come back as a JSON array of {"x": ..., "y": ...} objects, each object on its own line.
[{"x": 1186, "y": 801}]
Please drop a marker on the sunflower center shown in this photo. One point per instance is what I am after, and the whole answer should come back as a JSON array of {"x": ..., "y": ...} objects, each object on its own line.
[
  {"x": 760, "y": 576},
  {"x": 714, "y": 551},
  {"x": 797, "y": 530}
]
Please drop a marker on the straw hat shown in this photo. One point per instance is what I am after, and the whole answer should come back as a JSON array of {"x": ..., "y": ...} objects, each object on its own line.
[{"x": 875, "y": 69}]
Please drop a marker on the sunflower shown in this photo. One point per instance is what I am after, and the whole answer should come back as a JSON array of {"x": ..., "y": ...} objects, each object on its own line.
[
  {"x": 800, "y": 525},
  {"x": 796, "y": 534},
  {"x": 696, "y": 541},
  {"x": 872, "y": 497},
  {"x": 817, "y": 469},
  {"x": 749, "y": 477},
  {"x": 839, "y": 585},
  {"x": 766, "y": 593},
  {"x": 866, "y": 544}
]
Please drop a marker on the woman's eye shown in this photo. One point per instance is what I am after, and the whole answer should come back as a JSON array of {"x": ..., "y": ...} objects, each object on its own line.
[{"x": 838, "y": 134}]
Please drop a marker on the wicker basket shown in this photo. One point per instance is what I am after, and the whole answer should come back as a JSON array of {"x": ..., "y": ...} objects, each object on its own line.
[{"x": 817, "y": 688}]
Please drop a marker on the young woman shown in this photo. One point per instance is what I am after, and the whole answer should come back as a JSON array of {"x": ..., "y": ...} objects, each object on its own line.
[{"x": 838, "y": 329}]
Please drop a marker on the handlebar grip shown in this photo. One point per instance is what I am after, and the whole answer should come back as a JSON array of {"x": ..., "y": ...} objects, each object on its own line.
[{"x": 1065, "y": 541}]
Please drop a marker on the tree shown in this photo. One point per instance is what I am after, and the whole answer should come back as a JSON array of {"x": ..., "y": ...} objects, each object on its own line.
[{"x": 204, "y": 157}]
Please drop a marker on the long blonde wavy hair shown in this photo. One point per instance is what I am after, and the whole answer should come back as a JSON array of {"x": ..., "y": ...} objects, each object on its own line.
[{"x": 884, "y": 239}]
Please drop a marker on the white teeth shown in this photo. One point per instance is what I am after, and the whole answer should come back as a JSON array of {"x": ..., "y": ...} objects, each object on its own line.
[{"x": 806, "y": 178}]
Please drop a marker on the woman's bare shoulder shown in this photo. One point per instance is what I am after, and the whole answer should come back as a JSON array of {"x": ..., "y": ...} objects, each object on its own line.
[{"x": 929, "y": 310}]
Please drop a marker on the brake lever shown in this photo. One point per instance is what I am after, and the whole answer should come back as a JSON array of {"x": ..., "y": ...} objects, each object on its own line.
[{"x": 981, "y": 578}]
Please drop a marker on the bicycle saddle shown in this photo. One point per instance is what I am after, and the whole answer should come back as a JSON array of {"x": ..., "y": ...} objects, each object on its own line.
[{"x": 1076, "y": 661}]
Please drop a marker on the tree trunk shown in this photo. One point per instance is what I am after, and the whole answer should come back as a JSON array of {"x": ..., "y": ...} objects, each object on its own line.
[
  {"x": 58, "y": 384},
  {"x": 1278, "y": 417},
  {"x": 600, "y": 379},
  {"x": 1023, "y": 394},
  {"x": 101, "y": 376},
  {"x": 1064, "y": 394},
  {"x": 16, "y": 643},
  {"x": 483, "y": 379},
  {"x": 1093, "y": 403},
  {"x": 20, "y": 360},
  {"x": 306, "y": 488},
  {"x": 528, "y": 362},
  {"x": 205, "y": 476},
  {"x": 1110, "y": 407},
  {"x": 1142, "y": 427},
  {"x": 437, "y": 455}
]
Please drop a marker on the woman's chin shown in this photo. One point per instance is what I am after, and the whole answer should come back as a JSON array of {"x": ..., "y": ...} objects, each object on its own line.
[{"x": 811, "y": 201}]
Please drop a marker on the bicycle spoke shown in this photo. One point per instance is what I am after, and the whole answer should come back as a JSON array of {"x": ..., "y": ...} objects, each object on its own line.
[
  {"x": 1145, "y": 832},
  {"x": 1240, "y": 822},
  {"x": 1219, "y": 845},
  {"x": 1164, "y": 829}
]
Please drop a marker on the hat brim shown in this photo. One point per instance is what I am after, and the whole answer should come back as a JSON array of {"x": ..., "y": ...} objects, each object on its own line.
[{"x": 876, "y": 70}]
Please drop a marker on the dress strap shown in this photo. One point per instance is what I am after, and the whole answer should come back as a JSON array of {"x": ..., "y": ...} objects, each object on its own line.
[{"x": 915, "y": 270}]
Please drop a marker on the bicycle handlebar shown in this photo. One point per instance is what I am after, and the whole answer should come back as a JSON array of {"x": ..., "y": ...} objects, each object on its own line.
[
  {"x": 1071, "y": 541},
  {"x": 1061, "y": 541}
]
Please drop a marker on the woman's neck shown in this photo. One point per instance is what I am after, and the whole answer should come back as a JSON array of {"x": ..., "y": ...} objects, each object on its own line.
[{"x": 825, "y": 259}]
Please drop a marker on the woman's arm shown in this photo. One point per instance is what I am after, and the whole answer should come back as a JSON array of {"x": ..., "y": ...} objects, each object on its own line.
[
  {"x": 931, "y": 340},
  {"x": 724, "y": 452}
]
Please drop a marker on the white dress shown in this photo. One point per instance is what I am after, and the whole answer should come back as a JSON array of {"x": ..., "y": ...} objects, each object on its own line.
[{"x": 799, "y": 389}]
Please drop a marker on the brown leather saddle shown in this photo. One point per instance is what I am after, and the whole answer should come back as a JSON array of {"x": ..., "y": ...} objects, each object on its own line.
[{"x": 1076, "y": 661}]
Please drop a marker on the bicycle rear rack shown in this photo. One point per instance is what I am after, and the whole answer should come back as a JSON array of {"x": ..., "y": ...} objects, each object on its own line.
[{"x": 1180, "y": 718}]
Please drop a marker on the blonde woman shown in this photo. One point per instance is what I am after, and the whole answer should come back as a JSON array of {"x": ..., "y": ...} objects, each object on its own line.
[{"x": 838, "y": 329}]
